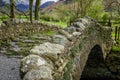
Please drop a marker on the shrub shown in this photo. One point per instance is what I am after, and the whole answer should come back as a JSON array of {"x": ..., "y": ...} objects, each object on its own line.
[{"x": 105, "y": 17}]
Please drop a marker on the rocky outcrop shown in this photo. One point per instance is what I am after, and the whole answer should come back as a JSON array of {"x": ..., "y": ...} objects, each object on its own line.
[
  {"x": 48, "y": 50},
  {"x": 32, "y": 62},
  {"x": 43, "y": 73},
  {"x": 65, "y": 55}
]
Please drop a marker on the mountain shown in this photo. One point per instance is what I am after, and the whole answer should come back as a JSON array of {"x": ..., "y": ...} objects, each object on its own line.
[
  {"x": 25, "y": 7},
  {"x": 1, "y": 3},
  {"x": 22, "y": 7},
  {"x": 52, "y": 7},
  {"x": 48, "y": 3}
]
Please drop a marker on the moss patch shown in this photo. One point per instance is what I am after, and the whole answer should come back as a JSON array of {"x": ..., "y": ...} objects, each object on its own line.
[
  {"x": 49, "y": 33},
  {"x": 68, "y": 70},
  {"x": 116, "y": 48},
  {"x": 11, "y": 52}
]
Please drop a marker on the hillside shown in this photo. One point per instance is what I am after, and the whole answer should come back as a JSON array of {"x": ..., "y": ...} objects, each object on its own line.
[
  {"x": 22, "y": 7},
  {"x": 48, "y": 3},
  {"x": 1, "y": 3}
]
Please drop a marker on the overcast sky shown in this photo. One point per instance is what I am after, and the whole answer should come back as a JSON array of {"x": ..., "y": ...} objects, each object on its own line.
[{"x": 27, "y": 1}]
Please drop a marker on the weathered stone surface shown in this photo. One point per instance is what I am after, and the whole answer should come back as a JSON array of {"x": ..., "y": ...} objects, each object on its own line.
[
  {"x": 76, "y": 33},
  {"x": 49, "y": 50},
  {"x": 70, "y": 29},
  {"x": 28, "y": 41},
  {"x": 84, "y": 21},
  {"x": 79, "y": 25},
  {"x": 59, "y": 39},
  {"x": 66, "y": 34},
  {"x": 32, "y": 62},
  {"x": 43, "y": 73}
]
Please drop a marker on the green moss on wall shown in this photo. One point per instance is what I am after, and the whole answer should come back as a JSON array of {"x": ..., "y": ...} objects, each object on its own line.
[
  {"x": 74, "y": 50},
  {"x": 50, "y": 32},
  {"x": 68, "y": 70}
]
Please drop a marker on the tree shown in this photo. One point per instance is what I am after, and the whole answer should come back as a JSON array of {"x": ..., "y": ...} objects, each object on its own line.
[
  {"x": 83, "y": 6},
  {"x": 96, "y": 10},
  {"x": 12, "y": 11},
  {"x": 31, "y": 9},
  {"x": 112, "y": 6},
  {"x": 4, "y": 9},
  {"x": 37, "y": 9},
  {"x": 79, "y": 9}
]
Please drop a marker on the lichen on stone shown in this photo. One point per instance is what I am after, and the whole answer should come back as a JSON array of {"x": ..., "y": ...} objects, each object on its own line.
[
  {"x": 32, "y": 62},
  {"x": 42, "y": 73},
  {"x": 49, "y": 50}
]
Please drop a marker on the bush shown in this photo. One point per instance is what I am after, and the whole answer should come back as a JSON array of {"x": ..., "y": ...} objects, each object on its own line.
[
  {"x": 48, "y": 17},
  {"x": 3, "y": 17},
  {"x": 96, "y": 10},
  {"x": 105, "y": 17}
]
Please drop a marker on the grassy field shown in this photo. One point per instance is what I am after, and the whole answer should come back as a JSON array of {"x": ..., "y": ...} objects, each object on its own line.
[{"x": 59, "y": 23}]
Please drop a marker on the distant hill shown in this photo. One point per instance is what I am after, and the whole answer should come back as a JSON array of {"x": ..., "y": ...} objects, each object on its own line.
[
  {"x": 22, "y": 7},
  {"x": 46, "y": 4},
  {"x": 25, "y": 7},
  {"x": 50, "y": 8},
  {"x": 1, "y": 3}
]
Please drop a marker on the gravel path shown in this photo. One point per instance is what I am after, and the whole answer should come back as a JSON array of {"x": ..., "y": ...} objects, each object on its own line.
[{"x": 9, "y": 68}]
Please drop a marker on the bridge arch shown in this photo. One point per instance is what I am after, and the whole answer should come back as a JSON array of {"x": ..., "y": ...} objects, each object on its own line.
[{"x": 94, "y": 62}]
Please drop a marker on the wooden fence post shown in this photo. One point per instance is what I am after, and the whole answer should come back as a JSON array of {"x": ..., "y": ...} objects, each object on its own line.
[
  {"x": 115, "y": 33},
  {"x": 118, "y": 33}
]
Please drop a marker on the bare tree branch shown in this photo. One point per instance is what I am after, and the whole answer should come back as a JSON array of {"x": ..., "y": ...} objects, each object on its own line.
[
  {"x": 21, "y": 11},
  {"x": 3, "y": 12}
]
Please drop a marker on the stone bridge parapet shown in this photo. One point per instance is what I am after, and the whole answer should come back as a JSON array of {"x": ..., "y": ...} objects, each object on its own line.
[{"x": 65, "y": 55}]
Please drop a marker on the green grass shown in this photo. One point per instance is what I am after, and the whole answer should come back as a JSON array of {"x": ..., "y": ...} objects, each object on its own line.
[
  {"x": 113, "y": 34},
  {"x": 4, "y": 17},
  {"x": 50, "y": 33},
  {"x": 21, "y": 16},
  {"x": 116, "y": 48},
  {"x": 115, "y": 24},
  {"x": 61, "y": 24},
  {"x": 11, "y": 52}
]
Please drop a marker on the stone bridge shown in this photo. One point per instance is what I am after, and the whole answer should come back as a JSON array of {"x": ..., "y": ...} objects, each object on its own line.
[{"x": 65, "y": 55}]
